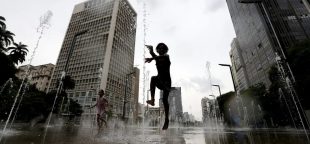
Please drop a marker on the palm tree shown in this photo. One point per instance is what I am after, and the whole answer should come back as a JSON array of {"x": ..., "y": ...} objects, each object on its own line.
[
  {"x": 2, "y": 24},
  {"x": 6, "y": 38},
  {"x": 67, "y": 83},
  {"x": 18, "y": 52}
]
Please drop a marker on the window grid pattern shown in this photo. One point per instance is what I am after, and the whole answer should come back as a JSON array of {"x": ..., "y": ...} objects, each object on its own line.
[
  {"x": 122, "y": 58},
  {"x": 89, "y": 50}
]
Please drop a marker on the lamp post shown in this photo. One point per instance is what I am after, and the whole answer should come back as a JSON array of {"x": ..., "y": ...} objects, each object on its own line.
[
  {"x": 125, "y": 96},
  {"x": 237, "y": 92},
  {"x": 232, "y": 76},
  {"x": 216, "y": 106},
  {"x": 218, "y": 86},
  {"x": 72, "y": 47},
  {"x": 69, "y": 56}
]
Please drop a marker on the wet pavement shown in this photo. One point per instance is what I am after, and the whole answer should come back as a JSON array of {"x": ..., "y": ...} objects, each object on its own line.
[{"x": 151, "y": 135}]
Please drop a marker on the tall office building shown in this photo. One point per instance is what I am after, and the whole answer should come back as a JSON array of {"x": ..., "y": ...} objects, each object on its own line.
[
  {"x": 175, "y": 103},
  {"x": 254, "y": 24},
  {"x": 98, "y": 52}
]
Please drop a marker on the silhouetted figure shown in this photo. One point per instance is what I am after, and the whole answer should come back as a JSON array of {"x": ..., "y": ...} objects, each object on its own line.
[
  {"x": 101, "y": 105},
  {"x": 163, "y": 80}
]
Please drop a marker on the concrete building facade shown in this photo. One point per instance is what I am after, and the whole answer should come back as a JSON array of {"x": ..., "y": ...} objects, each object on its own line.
[
  {"x": 40, "y": 75},
  {"x": 98, "y": 52},
  {"x": 265, "y": 28},
  {"x": 240, "y": 74}
]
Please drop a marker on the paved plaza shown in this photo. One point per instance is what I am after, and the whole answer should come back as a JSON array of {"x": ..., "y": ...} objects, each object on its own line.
[{"x": 151, "y": 135}]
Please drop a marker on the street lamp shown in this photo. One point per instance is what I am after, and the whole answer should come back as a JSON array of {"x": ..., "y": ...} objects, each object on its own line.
[
  {"x": 216, "y": 109},
  {"x": 72, "y": 47},
  {"x": 237, "y": 92},
  {"x": 124, "y": 105},
  {"x": 69, "y": 56},
  {"x": 232, "y": 76},
  {"x": 218, "y": 86}
]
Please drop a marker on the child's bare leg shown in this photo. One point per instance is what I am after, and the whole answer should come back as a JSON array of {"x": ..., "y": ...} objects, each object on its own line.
[
  {"x": 152, "y": 87},
  {"x": 104, "y": 122},
  {"x": 166, "y": 107},
  {"x": 98, "y": 121},
  {"x": 101, "y": 122}
]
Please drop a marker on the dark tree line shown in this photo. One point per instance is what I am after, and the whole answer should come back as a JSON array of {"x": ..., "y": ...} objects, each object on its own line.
[{"x": 33, "y": 103}]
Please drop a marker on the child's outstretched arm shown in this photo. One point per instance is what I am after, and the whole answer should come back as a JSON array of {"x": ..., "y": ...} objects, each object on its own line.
[
  {"x": 151, "y": 51},
  {"x": 148, "y": 60}
]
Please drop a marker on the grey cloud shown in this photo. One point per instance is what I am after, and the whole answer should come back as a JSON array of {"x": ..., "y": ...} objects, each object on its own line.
[
  {"x": 201, "y": 84},
  {"x": 215, "y": 5},
  {"x": 155, "y": 4},
  {"x": 170, "y": 29}
]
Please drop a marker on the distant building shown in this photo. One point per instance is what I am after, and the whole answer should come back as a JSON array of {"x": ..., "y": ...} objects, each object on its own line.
[
  {"x": 154, "y": 115},
  {"x": 187, "y": 117},
  {"x": 175, "y": 103},
  {"x": 98, "y": 53},
  {"x": 205, "y": 106},
  {"x": 208, "y": 109},
  {"x": 135, "y": 92},
  {"x": 40, "y": 75},
  {"x": 191, "y": 118}
]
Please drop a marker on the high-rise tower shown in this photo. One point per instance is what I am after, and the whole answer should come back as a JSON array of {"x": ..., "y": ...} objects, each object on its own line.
[
  {"x": 265, "y": 28},
  {"x": 175, "y": 104},
  {"x": 98, "y": 52}
]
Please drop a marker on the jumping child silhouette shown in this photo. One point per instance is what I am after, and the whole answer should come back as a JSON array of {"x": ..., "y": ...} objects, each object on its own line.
[{"x": 163, "y": 80}]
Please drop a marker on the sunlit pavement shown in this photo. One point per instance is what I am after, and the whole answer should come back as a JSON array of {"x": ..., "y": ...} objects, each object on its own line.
[{"x": 150, "y": 135}]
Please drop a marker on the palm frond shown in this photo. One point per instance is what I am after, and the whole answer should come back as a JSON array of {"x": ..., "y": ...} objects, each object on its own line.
[
  {"x": 2, "y": 18},
  {"x": 2, "y": 24}
]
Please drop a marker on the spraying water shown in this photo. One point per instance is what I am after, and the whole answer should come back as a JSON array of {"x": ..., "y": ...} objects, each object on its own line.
[
  {"x": 20, "y": 100},
  {"x": 51, "y": 113},
  {"x": 9, "y": 81},
  {"x": 44, "y": 24},
  {"x": 290, "y": 89},
  {"x": 286, "y": 104},
  {"x": 144, "y": 69},
  {"x": 253, "y": 114}
]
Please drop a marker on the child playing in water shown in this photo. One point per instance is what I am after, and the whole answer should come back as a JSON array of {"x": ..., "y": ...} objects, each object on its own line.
[
  {"x": 101, "y": 105},
  {"x": 163, "y": 80}
]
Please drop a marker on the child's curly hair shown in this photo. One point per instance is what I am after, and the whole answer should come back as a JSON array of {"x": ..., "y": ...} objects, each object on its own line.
[{"x": 162, "y": 45}]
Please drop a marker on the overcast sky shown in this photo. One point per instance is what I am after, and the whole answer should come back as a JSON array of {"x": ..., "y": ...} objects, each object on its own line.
[{"x": 196, "y": 31}]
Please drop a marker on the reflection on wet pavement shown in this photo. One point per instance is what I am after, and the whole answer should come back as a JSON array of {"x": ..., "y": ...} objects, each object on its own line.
[{"x": 152, "y": 135}]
